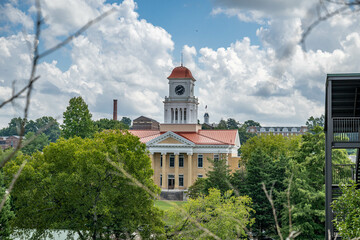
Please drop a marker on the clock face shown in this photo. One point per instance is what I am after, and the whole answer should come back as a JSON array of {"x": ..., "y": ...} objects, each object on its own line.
[{"x": 179, "y": 90}]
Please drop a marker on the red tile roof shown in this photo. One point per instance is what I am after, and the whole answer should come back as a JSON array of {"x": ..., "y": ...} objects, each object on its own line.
[
  {"x": 181, "y": 72},
  {"x": 203, "y": 137}
]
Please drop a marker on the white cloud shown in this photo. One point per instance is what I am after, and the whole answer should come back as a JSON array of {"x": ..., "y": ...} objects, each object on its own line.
[
  {"x": 122, "y": 57},
  {"x": 8, "y": 13}
]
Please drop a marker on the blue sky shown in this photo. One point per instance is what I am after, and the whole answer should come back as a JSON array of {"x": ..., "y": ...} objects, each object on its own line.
[{"x": 245, "y": 56}]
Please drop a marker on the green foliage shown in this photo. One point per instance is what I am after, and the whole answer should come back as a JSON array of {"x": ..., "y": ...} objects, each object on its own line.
[
  {"x": 34, "y": 143},
  {"x": 197, "y": 189},
  {"x": 266, "y": 159},
  {"x": 218, "y": 177},
  {"x": 13, "y": 128},
  {"x": 126, "y": 121},
  {"x": 6, "y": 214},
  {"x": 105, "y": 123},
  {"x": 225, "y": 216},
  {"x": 232, "y": 124},
  {"x": 347, "y": 212},
  {"x": 48, "y": 125},
  {"x": 77, "y": 119},
  {"x": 222, "y": 125},
  {"x": 74, "y": 185},
  {"x": 252, "y": 123},
  {"x": 312, "y": 122}
]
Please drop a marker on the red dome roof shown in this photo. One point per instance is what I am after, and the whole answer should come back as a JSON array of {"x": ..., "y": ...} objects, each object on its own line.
[{"x": 181, "y": 72}]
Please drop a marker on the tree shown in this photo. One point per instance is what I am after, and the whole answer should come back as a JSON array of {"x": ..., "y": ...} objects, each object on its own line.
[
  {"x": 105, "y": 123},
  {"x": 218, "y": 177},
  {"x": 312, "y": 122},
  {"x": 95, "y": 187},
  {"x": 6, "y": 214},
  {"x": 252, "y": 123},
  {"x": 49, "y": 126},
  {"x": 232, "y": 124},
  {"x": 13, "y": 128},
  {"x": 34, "y": 143},
  {"x": 347, "y": 211},
  {"x": 197, "y": 189},
  {"x": 77, "y": 119},
  {"x": 222, "y": 125},
  {"x": 266, "y": 160},
  {"x": 308, "y": 186},
  {"x": 225, "y": 216},
  {"x": 126, "y": 120}
]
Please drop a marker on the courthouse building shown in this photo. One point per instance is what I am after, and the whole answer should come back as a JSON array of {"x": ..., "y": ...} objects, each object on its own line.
[{"x": 180, "y": 150}]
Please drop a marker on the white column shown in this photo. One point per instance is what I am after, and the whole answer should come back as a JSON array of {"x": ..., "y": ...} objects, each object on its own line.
[
  {"x": 176, "y": 170},
  {"x": 189, "y": 162},
  {"x": 164, "y": 177}
]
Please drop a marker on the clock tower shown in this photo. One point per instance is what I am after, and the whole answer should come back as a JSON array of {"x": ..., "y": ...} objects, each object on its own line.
[{"x": 181, "y": 106}]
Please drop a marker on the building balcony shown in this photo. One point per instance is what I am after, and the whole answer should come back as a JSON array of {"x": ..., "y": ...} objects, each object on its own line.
[{"x": 346, "y": 130}]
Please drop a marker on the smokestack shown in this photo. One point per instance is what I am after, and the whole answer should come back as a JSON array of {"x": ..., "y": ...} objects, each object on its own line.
[{"x": 115, "y": 110}]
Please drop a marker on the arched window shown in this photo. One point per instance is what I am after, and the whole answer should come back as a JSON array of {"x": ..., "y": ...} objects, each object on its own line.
[{"x": 176, "y": 115}]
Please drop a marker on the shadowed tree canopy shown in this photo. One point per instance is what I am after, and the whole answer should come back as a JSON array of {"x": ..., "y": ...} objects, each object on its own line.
[{"x": 77, "y": 119}]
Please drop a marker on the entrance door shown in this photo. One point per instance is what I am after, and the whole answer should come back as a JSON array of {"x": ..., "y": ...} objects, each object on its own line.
[{"x": 171, "y": 181}]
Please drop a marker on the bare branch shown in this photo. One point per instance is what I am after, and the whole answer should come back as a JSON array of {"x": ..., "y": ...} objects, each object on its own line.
[{"x": 269, "y": 197}]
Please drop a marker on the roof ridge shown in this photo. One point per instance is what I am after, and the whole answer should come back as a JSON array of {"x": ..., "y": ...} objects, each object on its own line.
[{"x": 214, "y": 138}]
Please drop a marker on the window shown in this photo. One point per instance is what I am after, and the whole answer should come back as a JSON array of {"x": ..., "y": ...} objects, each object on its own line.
[
  {"x": 200, "y": 161},
  {"x": 161, "y": 160},
  {"x": 172, "y": 160},
  {"x": 216, "y": 157},
  {"x": 160, "y": 179},
  {"x": 181, "y": 160},
  {"x": 181, "y": 180},
  {"x": 184, "y": 114},
  {"x": 200, "y": 176}
]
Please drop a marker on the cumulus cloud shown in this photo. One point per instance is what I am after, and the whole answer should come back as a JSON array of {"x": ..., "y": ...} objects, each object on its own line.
[
  {"x": 127, "y": 58},
  {"x": 123, "y": 57}
]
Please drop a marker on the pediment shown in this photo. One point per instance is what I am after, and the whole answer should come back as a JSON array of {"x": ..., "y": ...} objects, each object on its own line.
[{"x": 170, "y": 138}]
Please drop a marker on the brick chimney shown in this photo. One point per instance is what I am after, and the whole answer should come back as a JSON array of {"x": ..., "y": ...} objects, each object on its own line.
[{"x": 115, "y": 110}]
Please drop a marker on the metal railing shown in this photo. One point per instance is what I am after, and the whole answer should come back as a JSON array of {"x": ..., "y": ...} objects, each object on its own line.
[
  {"x": 346, "y": 129},
  {"x": 343, "y": 173}
]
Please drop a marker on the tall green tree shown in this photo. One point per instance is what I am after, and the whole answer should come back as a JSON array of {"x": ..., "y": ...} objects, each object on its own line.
[
  {"x": 217, "y": 177},
  {"x": 308, "y": 185},
  {"x": 77, "y": 119},
  {"x": 96, "y": 187},
  {"x": 266, "y": 160},
  {"x": 225, "y": 216}
]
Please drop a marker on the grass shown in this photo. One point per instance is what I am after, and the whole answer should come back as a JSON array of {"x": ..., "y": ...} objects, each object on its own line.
[{"x": 166, "y": 205}]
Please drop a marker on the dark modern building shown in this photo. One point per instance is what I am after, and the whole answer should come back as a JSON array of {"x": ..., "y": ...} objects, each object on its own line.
[{"x": 342, "y": 131}]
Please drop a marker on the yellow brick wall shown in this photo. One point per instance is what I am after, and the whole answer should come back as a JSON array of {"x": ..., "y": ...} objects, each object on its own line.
[{"x": 207, "y": 165}]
